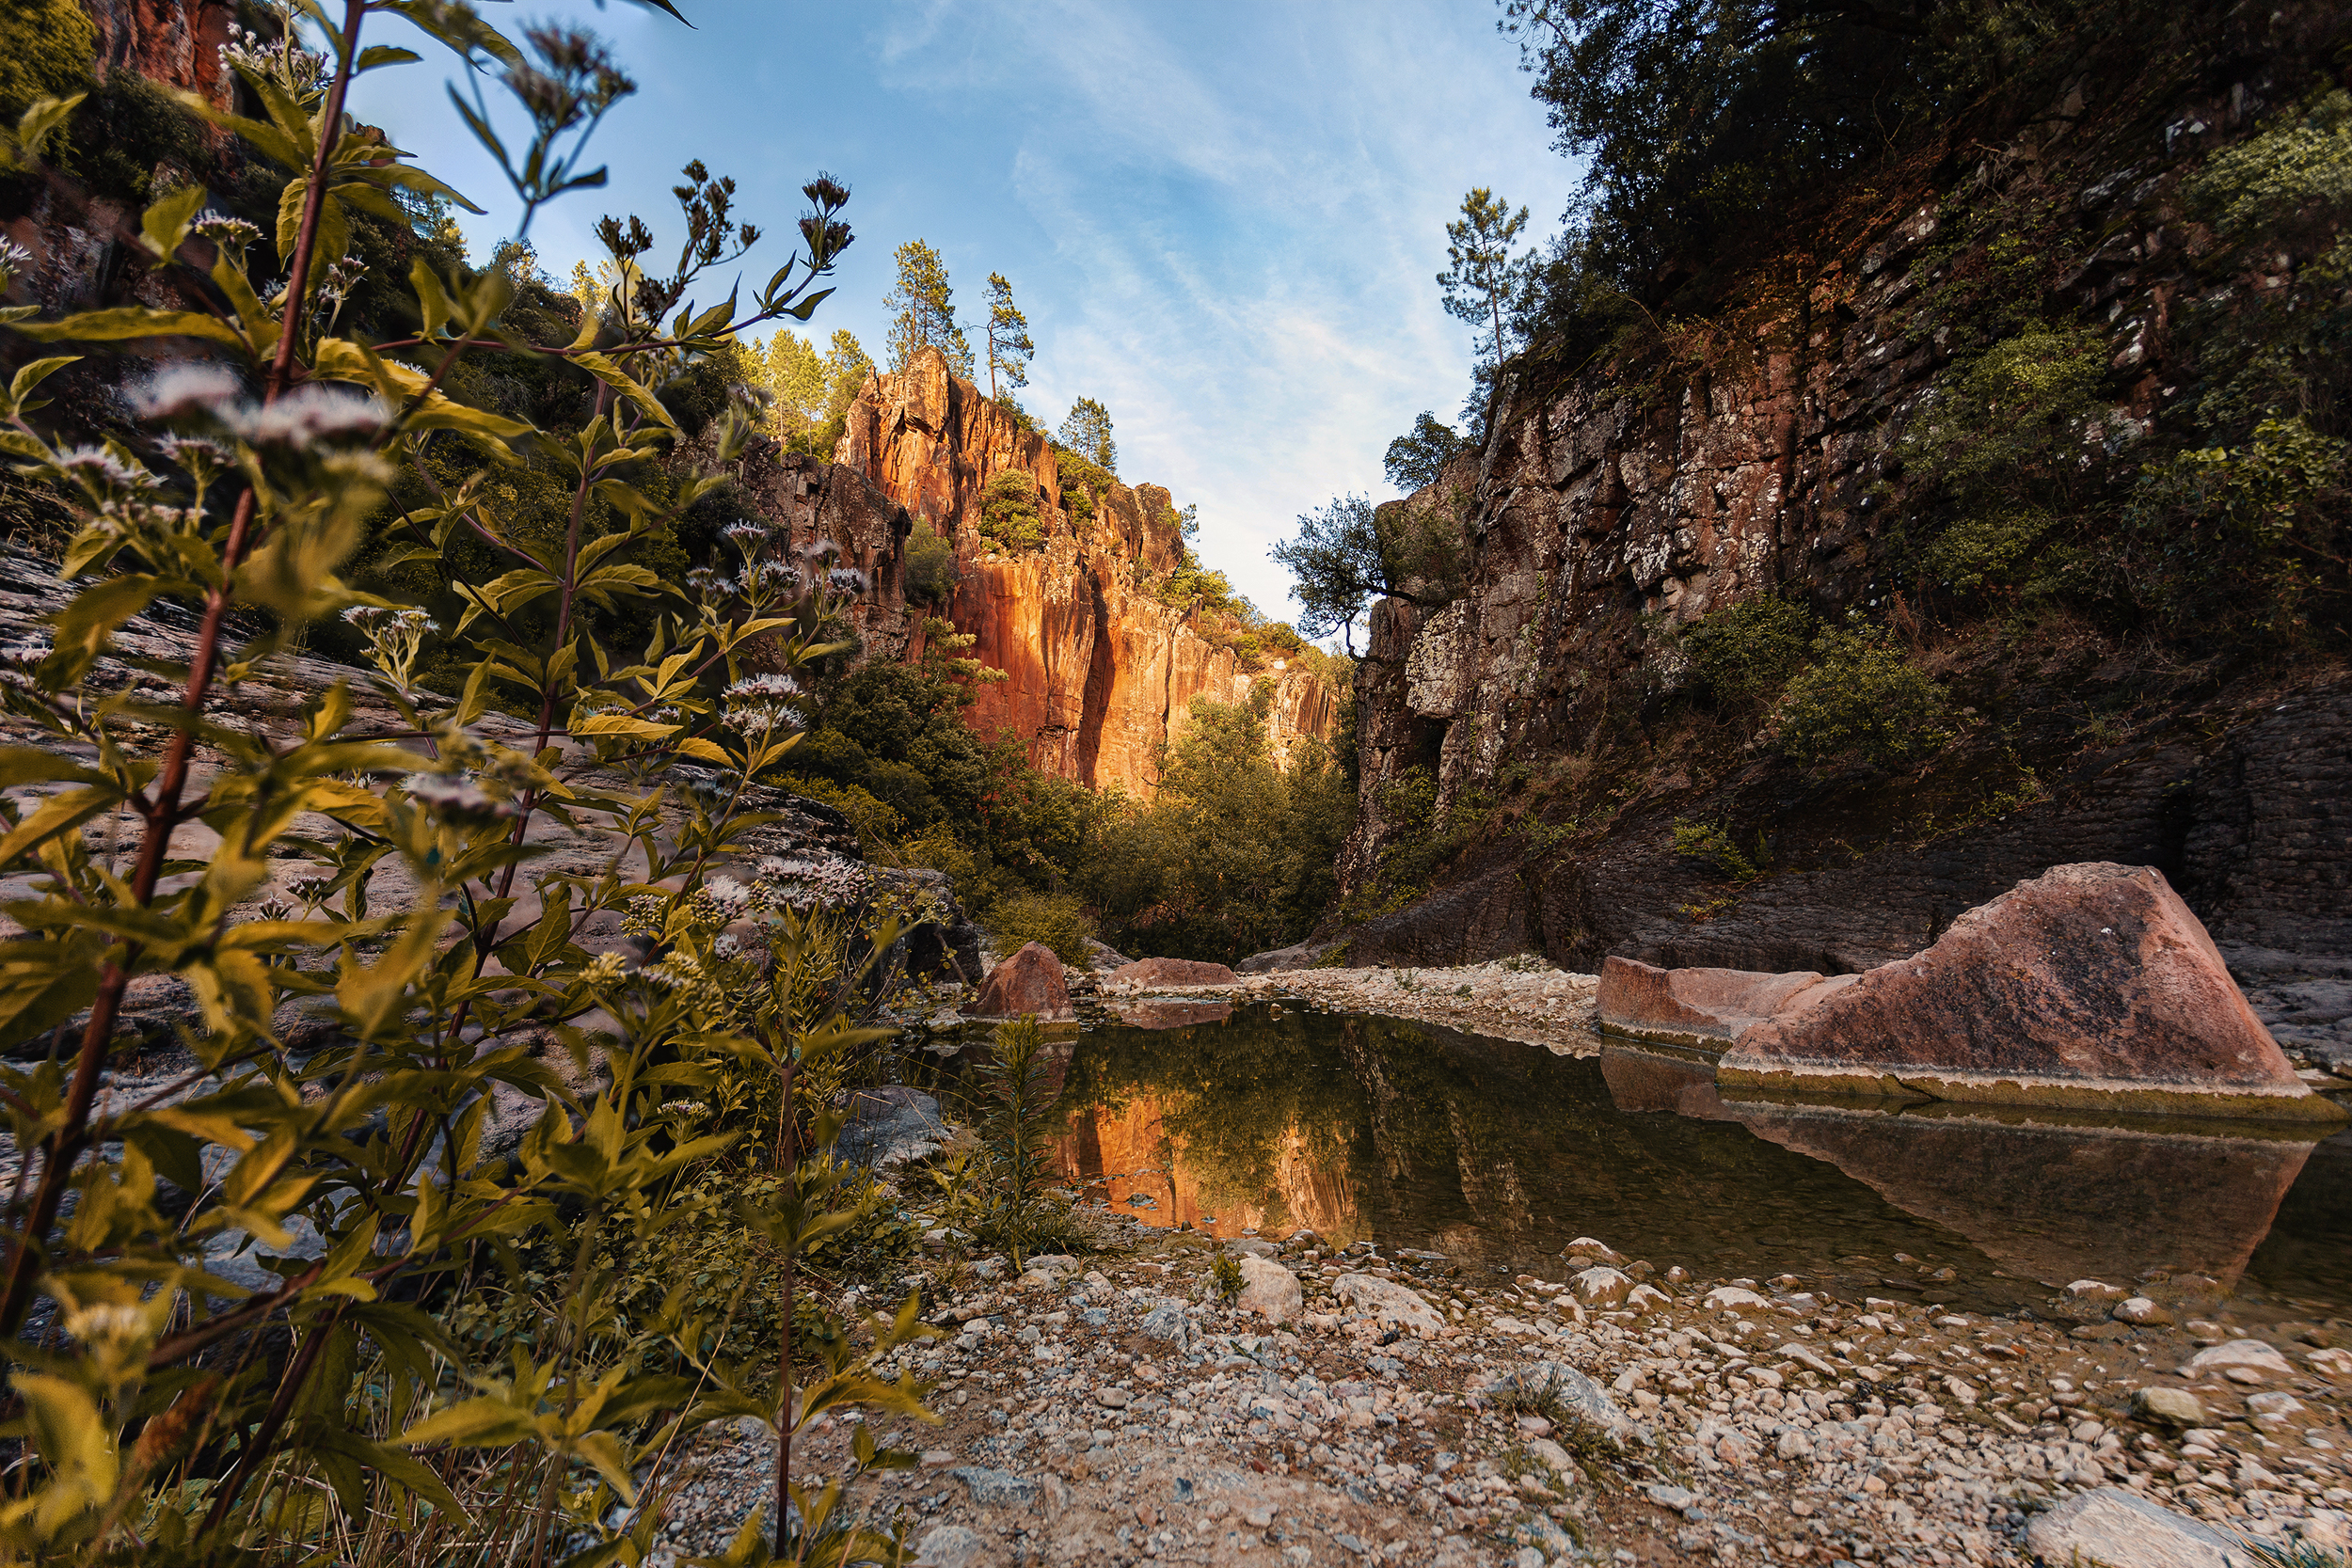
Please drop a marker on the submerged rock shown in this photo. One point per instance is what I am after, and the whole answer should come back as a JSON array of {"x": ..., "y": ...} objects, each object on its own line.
[
  {"x": 1029, "y": 982},
  {"x": 2089, "y": 987}
]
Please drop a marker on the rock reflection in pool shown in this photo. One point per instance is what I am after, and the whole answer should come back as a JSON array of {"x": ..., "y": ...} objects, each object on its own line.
[{"x": 1500, "y": 1154}]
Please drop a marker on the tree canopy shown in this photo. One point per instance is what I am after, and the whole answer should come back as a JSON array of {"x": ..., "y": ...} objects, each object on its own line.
[
  {"x": 1087, "y": 430},
  {"x": 1415, "y": 458},
  {"x": 1350, "y": 553},
  {"x": 923, "y": 310},
  {"x": 1010, "y": 350}
]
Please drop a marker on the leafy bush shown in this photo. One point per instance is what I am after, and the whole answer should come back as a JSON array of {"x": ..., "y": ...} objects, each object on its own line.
[
  {"x": 1009, "y": 515},
  {"x": 1083, "y": 481},
  {"x": 1059, "y": 920},
  {"x": 2295, "y": 173},
  {"x": 1712, "y": 842},
  {"x": 931, "y": 574},
  {"x": 1745, "y": 651},
  {"x": 357, "y": 1388},
  {"x": 46, "y": 51},
  {"x": 1861, "y": 700}
]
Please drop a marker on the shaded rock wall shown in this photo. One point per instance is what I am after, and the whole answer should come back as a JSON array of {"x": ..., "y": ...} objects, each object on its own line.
[
  {"x": 1603, "y": 516},
  {"x": 1099, "y": 673}
]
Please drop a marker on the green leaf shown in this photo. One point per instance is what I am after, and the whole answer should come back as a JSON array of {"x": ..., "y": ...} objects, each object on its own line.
[
  {"x": 33, "y": 374},
  {"x": 165, "y": 226},
  {"x": 470, "y": 1425},
  {"x": 85, "y": 626},
  {"x": 370, "y": 998},
  {"x": 34, "y": 126},
  {"x": 133, "y": 321},
  {"x": 604, "y": 370}
]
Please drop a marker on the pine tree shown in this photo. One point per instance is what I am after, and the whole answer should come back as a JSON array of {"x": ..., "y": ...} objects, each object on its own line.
[
  {"x": 1484, "y": 274},
  {"x": 1087, "y": 433},
  {"x": 1010, "y": 350},
  {"x": 924, "y": 313},
  {"x": 794, "y": 376}
]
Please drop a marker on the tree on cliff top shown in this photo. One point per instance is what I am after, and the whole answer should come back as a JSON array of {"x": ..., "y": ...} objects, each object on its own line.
[
  {"x": 1484, "y": 277},
  {"x": 1087, "y": 430},
  {"x": 1010, "y": 350},
  {"x": 1350, "y": 553},
  {"x": 923, "y": 311},
  {"x": 1415, "y": 458}
]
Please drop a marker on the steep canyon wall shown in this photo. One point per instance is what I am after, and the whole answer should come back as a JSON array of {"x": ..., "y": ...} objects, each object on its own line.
[
  {"x": 1100, "y": 672},
  {"x": 1603, "y": 516}
]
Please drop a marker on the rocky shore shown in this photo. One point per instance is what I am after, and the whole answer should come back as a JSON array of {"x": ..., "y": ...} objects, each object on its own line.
[{"x": 1389, "y": 1409}]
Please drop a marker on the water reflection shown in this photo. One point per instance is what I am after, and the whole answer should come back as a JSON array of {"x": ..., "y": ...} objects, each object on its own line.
[{"x": 1499, "y": 1154}]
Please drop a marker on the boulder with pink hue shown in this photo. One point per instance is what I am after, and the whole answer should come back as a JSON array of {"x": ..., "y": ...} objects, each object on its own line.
[
  {"x": 1029, "y": 982},
  {"x": 1170, "y": 972},
  {"x": 2091, "y": 987}
]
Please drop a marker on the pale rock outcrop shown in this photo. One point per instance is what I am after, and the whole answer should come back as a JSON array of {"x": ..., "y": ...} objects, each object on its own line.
[
  {"x": 1170, "y": 972},
  {"x": 1269, "y": 1289}
]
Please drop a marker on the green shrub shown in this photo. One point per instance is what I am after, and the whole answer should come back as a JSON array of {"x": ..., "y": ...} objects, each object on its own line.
[
  {"x": 931, "y": 574},
  {"x": 46, "y": 49},
  {"x": 1861, "y": 700},
  {"x": 2299, "y": 168},
  {"x": 1009, "y": 515},
  {"x": 1712, "y": 842},
  {"x": 877, "y": 823},
  {"x": 1059, "y": 920},
  {"x": 1745, "y": 651}
]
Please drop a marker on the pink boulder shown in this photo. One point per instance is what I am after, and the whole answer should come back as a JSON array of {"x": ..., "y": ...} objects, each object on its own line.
[
  {"x": 2091, "y": 987},
  {"x": 1029, "y": 982},
  {"x": 1170, "y": 972},
  {"x": 1701, "y": 1007}
]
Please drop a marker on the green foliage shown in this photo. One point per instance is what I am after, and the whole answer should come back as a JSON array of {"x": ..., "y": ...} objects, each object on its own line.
[
  {"x": 1010, "y": 350},
  {"x": 1233, "y": 855},
  {"x": 47, "y": 48},
  {"x": 1418, "y": 458},
  {"x": 1712, "y": 842},
  {"x": 1225, "y": 1278},
  {"x": 1059, "y": 920},
  {"x": 1483, "y": 277},
  {"x": 473, "y": 1351},
  {"x": 2291, "y": 176},
  {"x": 930, "y": 558},
  {"x": 126, "y": 132},
  {"x": 1348, "y": 552},
  {"x": 923, "y": 312},
  {"x": 1009, "y": 514},
  {"x": 1086, "y": 430},
  {"x": 1014, "y": 1098},
  {"x": 1861, "y": 700},
  {"x": 2009, "y": 442},
  {"x": 1083, "y": 480},
  {"x": 1745, "y": 651}
]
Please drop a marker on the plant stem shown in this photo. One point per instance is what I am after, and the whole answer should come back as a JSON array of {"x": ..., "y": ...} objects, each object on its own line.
[
  {"x": 788, "y": 1167},
  {"x": 162, "y": 812}
]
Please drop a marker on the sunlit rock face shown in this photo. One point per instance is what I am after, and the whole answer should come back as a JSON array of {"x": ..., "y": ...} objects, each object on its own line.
[{"x": 1099, "y": 674}]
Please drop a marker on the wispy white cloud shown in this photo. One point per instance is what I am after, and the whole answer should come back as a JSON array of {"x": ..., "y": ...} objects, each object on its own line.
[{"x": 1223, "y": 219}]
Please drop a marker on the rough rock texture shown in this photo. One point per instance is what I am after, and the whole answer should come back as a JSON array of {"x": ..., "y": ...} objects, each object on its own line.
[
  {"x": 1269, "y": 1289},
  {"x": 1605, "y": 515},
  {"x": 1029, "y": 982},
  {"x": 1170, "y": 972},
  {"x": 2091, "y": 986},
  {"x": 2112, "y": 1528},
  {"x": 1100, "y": 672},
  {"x": 1707, "y": 1008}
]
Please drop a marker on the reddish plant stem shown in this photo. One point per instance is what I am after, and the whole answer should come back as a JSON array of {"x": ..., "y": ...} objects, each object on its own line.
[
  {"x": 259, "y": 1441},
  {"x": 162, "y": 812}
]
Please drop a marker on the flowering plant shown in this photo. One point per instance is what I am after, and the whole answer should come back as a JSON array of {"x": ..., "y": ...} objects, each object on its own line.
[{"x": 351, "y": 1180}]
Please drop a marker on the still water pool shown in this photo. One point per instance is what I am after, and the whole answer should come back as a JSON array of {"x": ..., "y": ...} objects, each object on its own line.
[{"x": 1275, "y": 1117}]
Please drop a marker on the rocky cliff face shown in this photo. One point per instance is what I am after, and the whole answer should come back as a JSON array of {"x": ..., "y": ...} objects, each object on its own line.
[
  {"x": 1601, "y": 518},
  {"x": 1100, "y": 672}
]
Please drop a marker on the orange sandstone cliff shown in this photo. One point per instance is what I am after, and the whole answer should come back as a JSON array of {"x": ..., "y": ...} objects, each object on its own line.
[{"x": 1099, "y": 673}]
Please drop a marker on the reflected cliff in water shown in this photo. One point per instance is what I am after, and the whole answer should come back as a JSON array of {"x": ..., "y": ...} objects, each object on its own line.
[{"x": 1499, "y": 1155}]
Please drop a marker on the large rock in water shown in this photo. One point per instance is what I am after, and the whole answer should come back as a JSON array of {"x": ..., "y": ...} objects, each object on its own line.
[
  {"x": 1029, "y": 982},
  {"x": 2091, "y": 987},
  {"x": 1170, "y": 972}
]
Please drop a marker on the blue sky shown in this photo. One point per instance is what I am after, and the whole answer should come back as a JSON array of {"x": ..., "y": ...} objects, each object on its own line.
[{"x": 1223, "y": 220}]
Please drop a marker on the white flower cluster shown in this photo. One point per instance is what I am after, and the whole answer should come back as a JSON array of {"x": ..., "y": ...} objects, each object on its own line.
[
  {"x": 227, "y": 234},
  {"x": 803, "y": 883},
  {"x": 343, "y": 277},
  {"x": 14, "y": 259},
  {"x": 605, "y": 969},
  {"x": 287, "y": 63},
  {"x": 456, "y": 796},
  {"x": 305, "y": 417},
  {"x": 759, "y": 704}
]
